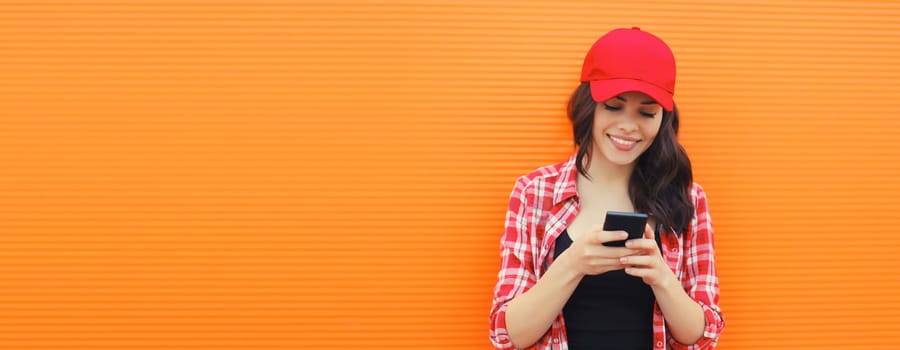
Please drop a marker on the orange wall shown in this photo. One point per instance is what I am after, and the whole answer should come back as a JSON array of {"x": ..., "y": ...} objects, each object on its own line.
[{"x": 286, "y": 175}]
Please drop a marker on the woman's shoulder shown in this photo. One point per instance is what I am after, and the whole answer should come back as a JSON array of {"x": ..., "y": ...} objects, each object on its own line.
[
  {"x": 698, "y": 197},
  {"x": 697, "y": 192},
  {"x": 547, "y": 175}
]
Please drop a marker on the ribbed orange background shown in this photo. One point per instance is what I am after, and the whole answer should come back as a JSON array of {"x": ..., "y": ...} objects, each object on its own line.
[{"x": 294, "y": 175}]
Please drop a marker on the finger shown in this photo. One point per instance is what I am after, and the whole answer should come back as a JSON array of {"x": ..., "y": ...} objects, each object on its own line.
[
  {"x": 602, "y": 251},
  {"x": 607, "y": 262},
  {"x": 641, "y": 243},
  {"x": 639, "y": 261},
  {"x": 638, "y": 272}
]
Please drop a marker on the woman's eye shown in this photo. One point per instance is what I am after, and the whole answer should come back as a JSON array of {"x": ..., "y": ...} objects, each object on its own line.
[
  {"x": 648, "y": 115},
  {"x": 611, "y": 108}
]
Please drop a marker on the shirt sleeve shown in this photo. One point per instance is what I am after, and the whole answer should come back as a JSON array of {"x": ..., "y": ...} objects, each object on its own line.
[
  {"x": 516, "y": 265},
  {"x": 701, "y": 274}
]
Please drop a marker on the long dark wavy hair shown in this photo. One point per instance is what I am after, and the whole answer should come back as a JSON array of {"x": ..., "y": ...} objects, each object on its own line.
[{"x": 661, "y": 182}]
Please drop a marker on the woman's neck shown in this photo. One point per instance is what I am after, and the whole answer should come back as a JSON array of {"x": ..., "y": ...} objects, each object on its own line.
[
  {"x": 607, "y": 187},
  {"x": 609, "y": 175}
]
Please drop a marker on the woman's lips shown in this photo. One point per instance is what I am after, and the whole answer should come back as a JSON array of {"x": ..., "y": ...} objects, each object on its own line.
[{"x": 622, "y": 143}]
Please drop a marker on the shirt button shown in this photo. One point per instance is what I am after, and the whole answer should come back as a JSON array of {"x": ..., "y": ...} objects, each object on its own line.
[
  {"x": 659, "y": 344},
  {"x": 556, "y": 340},
  {"x": 674, "y": 250}
]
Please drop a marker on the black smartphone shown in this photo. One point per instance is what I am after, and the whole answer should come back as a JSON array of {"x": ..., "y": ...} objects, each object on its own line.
[{"x": 633, "y": 223}]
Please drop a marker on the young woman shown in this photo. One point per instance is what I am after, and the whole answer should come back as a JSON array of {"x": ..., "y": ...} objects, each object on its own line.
[{"x": 559, "y": 286}]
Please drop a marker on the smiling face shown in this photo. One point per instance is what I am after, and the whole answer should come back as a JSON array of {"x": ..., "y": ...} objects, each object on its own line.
[{"x": 624, "y": 127}]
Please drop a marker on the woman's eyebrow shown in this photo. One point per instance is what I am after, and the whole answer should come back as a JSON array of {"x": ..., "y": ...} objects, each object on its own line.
[{"x": 648, "y": 102}]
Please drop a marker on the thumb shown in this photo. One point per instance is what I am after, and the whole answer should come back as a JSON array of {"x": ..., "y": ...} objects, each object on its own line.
[
  {"x": 599, "y": 236},
  {"x": 611, "y": 236},
  {"x": 648, "y": 232}
]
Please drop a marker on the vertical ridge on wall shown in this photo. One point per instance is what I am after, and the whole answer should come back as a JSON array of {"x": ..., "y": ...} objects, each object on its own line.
[{"x": 282, "y": 175}]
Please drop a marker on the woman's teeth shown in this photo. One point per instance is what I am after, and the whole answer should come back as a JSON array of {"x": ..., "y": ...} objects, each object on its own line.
[{"x": 622, "y": 142}]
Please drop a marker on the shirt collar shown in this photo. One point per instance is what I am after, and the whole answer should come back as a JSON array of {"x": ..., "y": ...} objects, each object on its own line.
[{"x": 565, "y": 187}]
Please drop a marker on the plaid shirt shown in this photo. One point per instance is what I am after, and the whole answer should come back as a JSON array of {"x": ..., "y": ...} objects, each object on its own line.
[{"x": 542, "y": 204}]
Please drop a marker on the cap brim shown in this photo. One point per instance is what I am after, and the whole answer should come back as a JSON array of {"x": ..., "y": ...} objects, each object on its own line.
[{"x": 602, "y": 90}]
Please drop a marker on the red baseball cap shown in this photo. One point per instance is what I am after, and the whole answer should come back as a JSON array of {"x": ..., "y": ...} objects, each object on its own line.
[{"x": 626, "y": 60}]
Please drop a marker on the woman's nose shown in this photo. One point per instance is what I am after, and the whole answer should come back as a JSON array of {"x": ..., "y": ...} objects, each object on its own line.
[{"x": 628, "y": 125}]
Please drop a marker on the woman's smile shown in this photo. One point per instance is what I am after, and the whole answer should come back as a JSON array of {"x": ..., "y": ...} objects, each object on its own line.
[{"x": 623, "y": 143}]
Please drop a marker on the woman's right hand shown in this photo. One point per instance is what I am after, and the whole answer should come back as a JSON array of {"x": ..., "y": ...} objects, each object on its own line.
[{"x": 588, "y": 256}]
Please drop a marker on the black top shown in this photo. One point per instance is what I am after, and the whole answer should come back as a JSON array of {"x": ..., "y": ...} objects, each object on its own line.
[{"x": 608, "y": 311}]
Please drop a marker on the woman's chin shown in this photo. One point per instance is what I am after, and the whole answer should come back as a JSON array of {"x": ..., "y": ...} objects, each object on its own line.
[{"x": 618, "y": 158}]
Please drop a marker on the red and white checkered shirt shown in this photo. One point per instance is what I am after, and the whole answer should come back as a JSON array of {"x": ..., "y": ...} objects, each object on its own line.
[{"x": 542, "y": 204}]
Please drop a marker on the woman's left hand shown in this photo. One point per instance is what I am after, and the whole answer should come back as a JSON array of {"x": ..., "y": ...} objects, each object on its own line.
[{"x": 649, "y": 264}]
